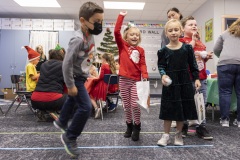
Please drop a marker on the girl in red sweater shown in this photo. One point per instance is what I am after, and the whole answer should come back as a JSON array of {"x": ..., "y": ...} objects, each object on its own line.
[{"x": 132, "y": 69}]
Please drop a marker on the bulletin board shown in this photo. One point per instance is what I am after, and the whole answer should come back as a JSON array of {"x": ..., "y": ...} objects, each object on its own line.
[{"x": 151, "y": 42}]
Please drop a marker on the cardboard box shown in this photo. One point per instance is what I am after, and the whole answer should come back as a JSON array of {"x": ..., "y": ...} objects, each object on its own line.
[{"x": 8, "y": 93}]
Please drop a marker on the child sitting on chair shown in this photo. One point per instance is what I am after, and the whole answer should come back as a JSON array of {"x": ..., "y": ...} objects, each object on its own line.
[
  {"x": 100, "y": 88},
  {"x": 31, "y": 72}
]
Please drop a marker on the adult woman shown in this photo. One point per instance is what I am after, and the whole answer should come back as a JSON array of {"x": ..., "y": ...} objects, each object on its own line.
[
  {"x": 227, "y": 49},
  {"x": 43, "y": 58},
  {"x": 172, "y": 13},
  {"x": 49, "y": 93}
]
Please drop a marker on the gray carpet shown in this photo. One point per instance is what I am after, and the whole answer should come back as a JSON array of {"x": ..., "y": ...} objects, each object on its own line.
[{"x": 23, "y": 137}]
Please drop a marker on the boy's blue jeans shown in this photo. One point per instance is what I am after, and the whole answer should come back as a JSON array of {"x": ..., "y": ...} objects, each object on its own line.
[
  {"x": 228, "y": 77},
  {"x": 82, "y": 113}
]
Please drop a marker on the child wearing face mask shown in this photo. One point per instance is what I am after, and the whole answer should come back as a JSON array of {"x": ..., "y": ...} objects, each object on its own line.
[
  {"x": 132, "y": 69},
  {"x": 76, "y": 66}
]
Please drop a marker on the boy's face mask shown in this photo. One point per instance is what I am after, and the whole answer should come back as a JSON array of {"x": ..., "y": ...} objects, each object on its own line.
[{"x": 97, "y": 28}]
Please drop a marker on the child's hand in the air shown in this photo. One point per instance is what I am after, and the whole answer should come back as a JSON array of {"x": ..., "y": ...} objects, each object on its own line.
[{"x": 123, "y": 13}]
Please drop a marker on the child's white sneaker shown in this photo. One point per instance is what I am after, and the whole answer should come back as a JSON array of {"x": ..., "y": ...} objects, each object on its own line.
[
  {"x": 173, "y": 124},
  {"x": 164, "y": 140},
  {"x": 178, "y": 139}
]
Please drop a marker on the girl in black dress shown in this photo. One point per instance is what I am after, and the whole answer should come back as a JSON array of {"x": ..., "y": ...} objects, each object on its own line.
[{"x": 177, "y": 102}]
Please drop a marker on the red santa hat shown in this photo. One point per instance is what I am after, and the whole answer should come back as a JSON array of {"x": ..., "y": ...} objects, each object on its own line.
[{"x": 32, "y": 55}]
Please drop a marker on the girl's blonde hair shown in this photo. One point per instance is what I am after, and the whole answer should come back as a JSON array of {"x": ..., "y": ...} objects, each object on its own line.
[
  {"x": 38, "y": 47},
  {"x": 110, "y": 60},
  {"x": 234, "y": 29},
  {"x": 125, "y": 32},
  {"x": 173, "y": 21}
]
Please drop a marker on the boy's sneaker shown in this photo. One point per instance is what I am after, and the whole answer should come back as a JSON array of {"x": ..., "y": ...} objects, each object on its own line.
[
  {"x": 185, "y": 130},
  {"x": 59, "y": 125},
  {"x": 70, "y": 145},
  {"x": 203, "y": 133},
  {"x": 164, "y": 140},
  {"x": 178, "y": 139},
  {"x": 173, "y": 124},
  {"x": 112, "y": 107},
  {"x": 224, "y": 123}
]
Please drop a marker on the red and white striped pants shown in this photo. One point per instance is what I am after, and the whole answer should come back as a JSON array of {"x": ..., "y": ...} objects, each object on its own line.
[{"x": 129, "y": 98}]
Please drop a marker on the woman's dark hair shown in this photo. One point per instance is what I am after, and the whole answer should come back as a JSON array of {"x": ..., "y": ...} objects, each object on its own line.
[
  {"x": 53, "y": 54},
  {"x": 175, "y": 10}
]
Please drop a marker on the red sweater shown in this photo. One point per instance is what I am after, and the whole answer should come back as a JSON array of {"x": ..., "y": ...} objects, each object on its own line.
[
  {"x": 131, "y": 58},
  {"x": 199, "y": 46}
]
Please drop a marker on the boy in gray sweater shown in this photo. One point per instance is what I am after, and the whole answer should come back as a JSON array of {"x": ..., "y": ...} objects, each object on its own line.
[{"x": 76, "y": 66}]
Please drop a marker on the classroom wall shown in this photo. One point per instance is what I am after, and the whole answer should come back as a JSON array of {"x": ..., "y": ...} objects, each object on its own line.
[
  {"x": 202, "y": 15},
  {"x": 13, "y": 58},
  {"x": 215, "y": 9}
]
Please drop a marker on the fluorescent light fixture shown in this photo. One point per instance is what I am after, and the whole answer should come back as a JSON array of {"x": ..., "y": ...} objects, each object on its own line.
[
  {"x": 38, "y": 3},
  {"x": 124, "y": 5}
]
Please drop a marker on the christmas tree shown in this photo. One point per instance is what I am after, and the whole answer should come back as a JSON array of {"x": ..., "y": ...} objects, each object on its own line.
[{"x": 108, "y": 45}]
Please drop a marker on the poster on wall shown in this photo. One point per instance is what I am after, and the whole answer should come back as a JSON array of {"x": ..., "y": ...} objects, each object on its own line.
[{"x": 209, "y": 30}]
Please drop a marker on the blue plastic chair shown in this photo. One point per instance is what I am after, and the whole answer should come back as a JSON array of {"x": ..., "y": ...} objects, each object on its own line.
[{"x": 208, "y": 72}]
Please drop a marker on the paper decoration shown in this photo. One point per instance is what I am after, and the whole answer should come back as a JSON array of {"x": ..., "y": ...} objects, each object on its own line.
[
  {"x": 58, "y": 24},
  {"x": 6, "y": 23},
  {"x": 27, "y": 24},
  {"x": 140, "y": 25},
  {"x": 16, "y": 23},
  {"x": 68, "y": 25},
  {"x": 48, "y": 24},
  {"x": 37, "y": 24}
]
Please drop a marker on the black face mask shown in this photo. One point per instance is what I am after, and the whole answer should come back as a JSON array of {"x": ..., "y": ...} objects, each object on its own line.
[{"x": 97, "y": 29}]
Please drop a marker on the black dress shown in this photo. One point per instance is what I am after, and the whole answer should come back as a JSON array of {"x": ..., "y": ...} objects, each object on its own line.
[{"x": 177, "y": 102}]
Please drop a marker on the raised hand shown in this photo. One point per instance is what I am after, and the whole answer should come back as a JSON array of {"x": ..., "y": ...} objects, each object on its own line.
[{"x": 123, "y": 13}]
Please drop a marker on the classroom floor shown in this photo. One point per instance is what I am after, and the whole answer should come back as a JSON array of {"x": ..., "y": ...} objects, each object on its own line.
[{"x": 23, "y": 137}]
